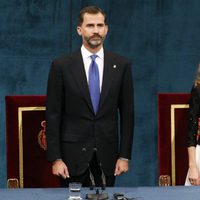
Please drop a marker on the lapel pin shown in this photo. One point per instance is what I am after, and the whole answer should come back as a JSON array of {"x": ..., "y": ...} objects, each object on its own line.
[{"x": 114, "y": 66}]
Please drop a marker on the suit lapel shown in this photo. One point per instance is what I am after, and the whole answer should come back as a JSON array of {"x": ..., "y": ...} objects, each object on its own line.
[
  {"x": 77, "y": 68},
  {"x": 107, "y": 76}
]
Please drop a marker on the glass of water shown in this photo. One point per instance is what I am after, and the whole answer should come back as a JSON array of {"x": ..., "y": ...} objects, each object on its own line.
[{"x": 75, "y": 191}]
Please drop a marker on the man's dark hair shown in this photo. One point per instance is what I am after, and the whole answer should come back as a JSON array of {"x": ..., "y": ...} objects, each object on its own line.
[{"x": 90, "y": 10}]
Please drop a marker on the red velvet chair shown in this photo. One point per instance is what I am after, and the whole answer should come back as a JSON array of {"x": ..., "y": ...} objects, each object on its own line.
[
  {"x": 26, "y": 143},
  {"x": 172, "y": 134}
]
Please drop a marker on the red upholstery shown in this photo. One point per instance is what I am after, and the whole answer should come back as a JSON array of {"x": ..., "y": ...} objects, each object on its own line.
[
  {"x": 25, "y": 154},
  {"x": 173, "y": 121}
]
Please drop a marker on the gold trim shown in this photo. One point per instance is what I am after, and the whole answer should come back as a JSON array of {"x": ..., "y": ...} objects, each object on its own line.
[
  {"x": 20, "y": 132},
  {"x": 173, "y": 164}
]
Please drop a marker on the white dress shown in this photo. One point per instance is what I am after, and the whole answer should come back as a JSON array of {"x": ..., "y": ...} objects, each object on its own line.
[{"x": 187, "y": 182}]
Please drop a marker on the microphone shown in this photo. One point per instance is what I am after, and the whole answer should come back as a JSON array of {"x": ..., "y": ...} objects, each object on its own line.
[
  {"x": 91, "y": 179},
  {"x": 103, "y": 178},
  {"x": 97, "y": 195},
  {"x": 92, "y": 186}
]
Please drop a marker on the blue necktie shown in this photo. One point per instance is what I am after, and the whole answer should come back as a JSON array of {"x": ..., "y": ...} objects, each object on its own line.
[{"x": 94, "y": 83}]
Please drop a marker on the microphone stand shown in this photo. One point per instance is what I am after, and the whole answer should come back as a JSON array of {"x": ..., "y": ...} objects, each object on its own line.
[{"x": 97, "y": 195}]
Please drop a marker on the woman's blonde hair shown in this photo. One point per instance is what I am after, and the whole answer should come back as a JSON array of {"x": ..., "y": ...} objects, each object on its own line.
[{"x": 197, "y": 80}]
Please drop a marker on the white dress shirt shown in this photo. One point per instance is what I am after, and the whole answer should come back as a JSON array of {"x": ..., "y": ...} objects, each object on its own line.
[{"x": 87, "y": 61}]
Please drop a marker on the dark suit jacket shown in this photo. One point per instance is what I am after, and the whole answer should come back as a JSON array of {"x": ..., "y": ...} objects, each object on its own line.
[{"x": 73, "y": 130}]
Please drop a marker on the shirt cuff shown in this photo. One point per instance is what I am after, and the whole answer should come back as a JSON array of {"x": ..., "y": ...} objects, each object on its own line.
[{"x": 125, "y": 159}]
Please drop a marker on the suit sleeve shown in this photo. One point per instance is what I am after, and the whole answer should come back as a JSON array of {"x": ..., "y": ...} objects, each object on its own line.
[
  {"x": 194, "y": 108},
  {"x": 126, "y": 110},
  {"x": 53, "y": 112}
]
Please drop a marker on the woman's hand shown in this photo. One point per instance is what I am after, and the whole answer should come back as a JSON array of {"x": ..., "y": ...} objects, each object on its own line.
[{"x": 193, "y": 175}]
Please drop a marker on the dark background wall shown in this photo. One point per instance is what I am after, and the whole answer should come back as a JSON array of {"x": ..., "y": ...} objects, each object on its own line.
[{"x": 161, "y": 37}]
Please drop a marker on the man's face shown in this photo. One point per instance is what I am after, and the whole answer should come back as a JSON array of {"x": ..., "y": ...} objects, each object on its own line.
[{"x": 93, "y": 30}]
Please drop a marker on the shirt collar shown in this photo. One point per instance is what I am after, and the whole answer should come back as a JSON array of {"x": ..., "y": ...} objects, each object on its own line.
[{"x": 86, "y": 54}]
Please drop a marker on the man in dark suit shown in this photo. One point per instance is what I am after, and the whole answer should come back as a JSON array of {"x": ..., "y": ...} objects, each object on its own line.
[{"x": 87, "y": 91}]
